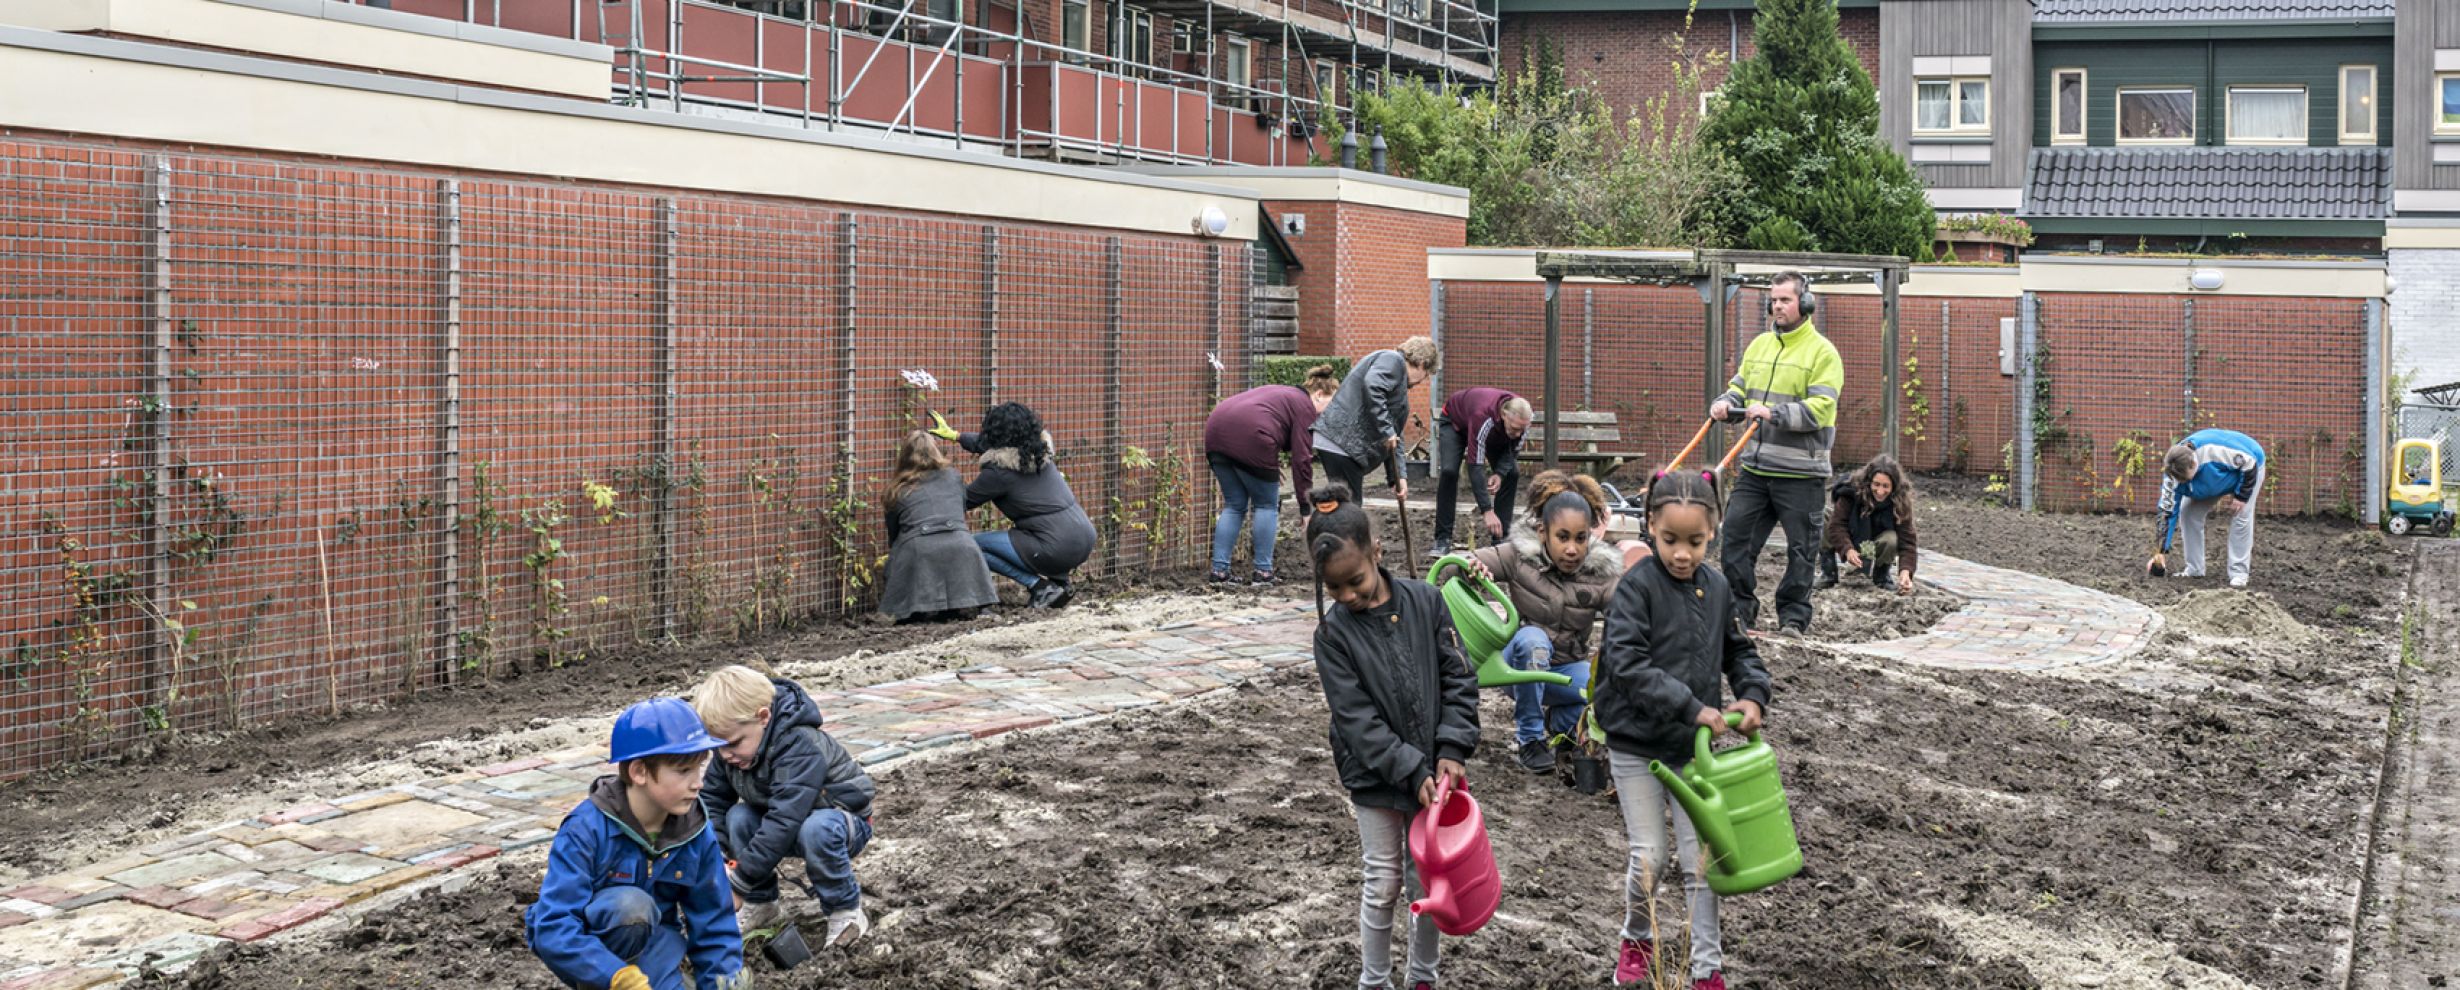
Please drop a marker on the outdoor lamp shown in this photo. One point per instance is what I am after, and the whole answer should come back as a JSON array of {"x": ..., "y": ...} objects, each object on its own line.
[
  {"x": 2206, "y": 279},
  {"x": 1212, "y": 222}
]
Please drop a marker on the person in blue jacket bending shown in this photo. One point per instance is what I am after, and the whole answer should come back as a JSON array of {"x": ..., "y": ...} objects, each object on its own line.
[
  {"x": 635, "y": 882},
  {"x": 2202, "y": 471}
]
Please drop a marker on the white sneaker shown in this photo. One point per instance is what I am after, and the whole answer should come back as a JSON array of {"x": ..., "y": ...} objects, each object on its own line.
[
  {"x": 754, "y": 916},
  {"x": 2237, "y": 581},
  {"x": 848, "y": 925}
]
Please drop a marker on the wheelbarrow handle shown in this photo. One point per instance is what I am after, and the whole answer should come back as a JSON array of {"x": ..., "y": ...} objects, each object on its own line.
[
  {"x": 1687, "y": 448},
  {"x": 1728, "y": 462}
]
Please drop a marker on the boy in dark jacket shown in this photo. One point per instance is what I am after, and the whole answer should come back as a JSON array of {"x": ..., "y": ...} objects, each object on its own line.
[
  {"x": 1404, "y": 708},
  {"x": 635, "y": 868},
  {"x": 1673, "y": 642},
  {"x": 781, "y": 786}
]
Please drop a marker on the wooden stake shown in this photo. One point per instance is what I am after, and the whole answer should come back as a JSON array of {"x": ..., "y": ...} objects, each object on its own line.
[{"x": 333, "y": 667}]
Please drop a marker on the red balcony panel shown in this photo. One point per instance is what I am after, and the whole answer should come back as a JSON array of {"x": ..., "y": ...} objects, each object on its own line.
[
  {"x": 451, "y": 10},
  {"x": 724, "y": 34},
  {"x": 878, "y": 92},
  {"x": 986, "y": 93},
  {"x": 547, "y": 17},
  {"x": 785, "y": 48}
]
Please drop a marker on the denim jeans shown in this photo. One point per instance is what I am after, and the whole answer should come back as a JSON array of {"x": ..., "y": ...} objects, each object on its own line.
[
  {"x": 1244, "y": 498},
  {"x": 1542, "y": 711},
  {"x": 828, "y": 840},
  {"x": 1383, "y": 839},
  {"x": 999, "y": 552},
  {"x": 625, "y": 920},
  {"x": 1646, "y": 806}
]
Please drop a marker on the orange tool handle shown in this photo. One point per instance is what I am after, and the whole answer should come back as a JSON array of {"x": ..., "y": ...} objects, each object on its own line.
[
  {"x": 1738, "y": 446},
  {"x": 1687, "y": 448}
]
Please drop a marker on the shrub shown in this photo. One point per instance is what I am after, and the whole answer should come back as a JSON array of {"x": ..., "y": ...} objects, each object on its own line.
[{"x": 1292, "y": 371}]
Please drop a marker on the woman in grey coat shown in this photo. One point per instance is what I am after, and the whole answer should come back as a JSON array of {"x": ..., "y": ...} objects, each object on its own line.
[
  {"x": 1363, "y": 424},
  {"x": 935, "y": 572}
]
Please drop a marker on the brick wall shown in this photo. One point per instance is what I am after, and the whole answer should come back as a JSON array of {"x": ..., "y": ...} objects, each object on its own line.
[
  {"x": 1364, "y": 286},
  {"x": 1626, "y": 57},
  {"x": 299, "y": 419}
]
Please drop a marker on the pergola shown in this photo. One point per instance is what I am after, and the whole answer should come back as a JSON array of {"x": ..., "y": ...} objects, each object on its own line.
[{"x": 1718, "y": 276}]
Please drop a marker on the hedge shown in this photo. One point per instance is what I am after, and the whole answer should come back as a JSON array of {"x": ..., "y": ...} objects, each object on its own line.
[{"x": 1288, "y": 370}]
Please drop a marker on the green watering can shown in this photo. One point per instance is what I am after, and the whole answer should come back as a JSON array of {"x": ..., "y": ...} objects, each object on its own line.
[
  {"x": 1483, "y": 632},
  {"x": 1738, "y": 807}
]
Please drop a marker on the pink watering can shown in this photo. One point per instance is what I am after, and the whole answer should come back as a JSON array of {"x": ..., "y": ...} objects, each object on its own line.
[{"x": 1455, "y": 863}]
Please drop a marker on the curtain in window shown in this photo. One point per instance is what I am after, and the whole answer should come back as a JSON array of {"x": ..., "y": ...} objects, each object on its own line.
[
  {"x": 2156, "y": 115},
  {"x": 2267, "y": 115},
  {"x": 1973, "y": 104},
  {"x": 2071, "y": 104},
  {"x": 1931, "y": 106}
]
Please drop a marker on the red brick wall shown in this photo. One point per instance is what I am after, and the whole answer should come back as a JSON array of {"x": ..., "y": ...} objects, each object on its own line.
[
  {"x": 1364, "y": 286},
  {"x": 306, "y": 415},
  {"x": 1626, "y": 56}
]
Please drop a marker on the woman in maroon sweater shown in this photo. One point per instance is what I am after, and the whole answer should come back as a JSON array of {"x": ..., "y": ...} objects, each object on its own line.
[{"x": 1244, "y": 440}]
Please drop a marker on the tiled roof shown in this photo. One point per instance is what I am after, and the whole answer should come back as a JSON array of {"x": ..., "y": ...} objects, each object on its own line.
[
  {"x": 2109, "y": 11},
  {"x": 2210, "y": 183}
]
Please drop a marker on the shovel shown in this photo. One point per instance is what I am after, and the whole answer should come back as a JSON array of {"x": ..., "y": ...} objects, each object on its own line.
[
  {"x": 1409, "y": 547},
  {"x": 1687, "y": 448},
  {"x": 1738, "y": 446}
]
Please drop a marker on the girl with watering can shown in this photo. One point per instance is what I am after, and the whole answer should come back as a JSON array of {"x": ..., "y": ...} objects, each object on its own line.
[
  {"x": 1404, "y": 708},
  {"x": 1673, "y": 644},
  {"x": 1560, "y": 573}
]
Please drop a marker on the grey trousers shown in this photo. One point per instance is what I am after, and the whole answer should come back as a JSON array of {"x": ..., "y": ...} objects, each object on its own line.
[
  {"x": 1383, "y": 836},
  {"x": 1646, "y": 806},
  {"x": 2191, "y": 518}
]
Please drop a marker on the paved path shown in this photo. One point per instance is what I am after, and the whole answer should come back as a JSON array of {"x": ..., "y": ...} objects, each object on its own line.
[
  {"x": 2017, "y": 621},
  {"x": 250, "y": 879}
]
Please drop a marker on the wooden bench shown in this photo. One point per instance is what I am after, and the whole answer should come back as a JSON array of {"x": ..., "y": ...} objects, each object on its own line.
[{"x": 1584, "y": 439}]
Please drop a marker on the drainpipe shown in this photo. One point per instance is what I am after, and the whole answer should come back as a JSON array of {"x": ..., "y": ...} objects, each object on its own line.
[{"x": 1733, "y": 39}]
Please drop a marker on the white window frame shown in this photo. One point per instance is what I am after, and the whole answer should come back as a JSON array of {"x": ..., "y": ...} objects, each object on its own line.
[
  {"x": 2118, "y": 114},
  {"x": 2439, "y": 126},
  {"x": 1077, "y": 14},
  {"x": 2306, "y": 115},
  {"x": 2374, "y": 91},
  {"x": 1956, "y": 99},
  {"x": 1140, "y": 36},
  {"x": 1238, "y": 68},
  {"x": 2084, "y": 108},
  {"x": 1328, "y": 82},
  {"x": 1708, "y": 100}
]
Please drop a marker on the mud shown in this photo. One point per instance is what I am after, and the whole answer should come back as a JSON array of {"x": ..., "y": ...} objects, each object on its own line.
[
  {"x": 2223, "y": 613},
  {"x": 1961, "y": 829}
]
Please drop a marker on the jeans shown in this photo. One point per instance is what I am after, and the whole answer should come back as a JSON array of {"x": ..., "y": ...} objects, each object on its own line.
[
  {"x": 625, "y": 920},
  {"x": 1245, "y": 497},
  {"x": 1543, "y": 711},
  {"x": 1447, "y": 492},
  {"x": 1383, "y": 838},
  {"x": 1645, "y": 808},
  {"x": 2191, "y": 518},
  {"x": 828, "y": 840},
  {"x": 1759, "y": 505},
  {"x": 999, "y": 553}
]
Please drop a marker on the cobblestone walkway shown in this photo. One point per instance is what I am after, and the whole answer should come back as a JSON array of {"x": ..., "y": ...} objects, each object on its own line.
[
  {"x": 246, "y": 880},
  {"x": 2013, "y": 620}
]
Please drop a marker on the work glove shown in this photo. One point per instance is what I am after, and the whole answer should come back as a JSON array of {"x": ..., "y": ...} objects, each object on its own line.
[
  {"x": 940, "y": 427},
  {"x": 629, "y": 978}
]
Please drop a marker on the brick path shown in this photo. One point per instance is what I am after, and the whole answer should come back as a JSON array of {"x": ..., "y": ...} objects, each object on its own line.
[
  {"x": 2017, "y": 621},
  {"x": 250, "y": 879}
]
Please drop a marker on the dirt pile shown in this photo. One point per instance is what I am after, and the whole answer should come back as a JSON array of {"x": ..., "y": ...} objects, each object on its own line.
[{"x": 2223, "y": 613}]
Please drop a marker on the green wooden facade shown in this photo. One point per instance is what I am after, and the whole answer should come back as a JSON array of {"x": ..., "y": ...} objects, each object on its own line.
[{"x": 2210, "y": 66}]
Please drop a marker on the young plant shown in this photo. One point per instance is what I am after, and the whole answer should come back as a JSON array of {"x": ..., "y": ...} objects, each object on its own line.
[
  {"x": 842, "y": 511},
  {"x": 549, "y": 604},
  {"x": 486, "y": 524}
]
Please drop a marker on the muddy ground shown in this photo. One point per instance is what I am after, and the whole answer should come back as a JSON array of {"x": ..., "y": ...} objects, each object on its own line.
[{"x": 2191, "y": 818}]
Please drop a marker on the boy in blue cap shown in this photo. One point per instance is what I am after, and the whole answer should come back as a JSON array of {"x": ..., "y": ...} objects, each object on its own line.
[{"x": 635, "y": 867}]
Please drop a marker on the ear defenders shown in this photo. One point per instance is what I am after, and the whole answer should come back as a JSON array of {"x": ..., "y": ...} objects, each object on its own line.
[{"x": 1810, "y": 303}]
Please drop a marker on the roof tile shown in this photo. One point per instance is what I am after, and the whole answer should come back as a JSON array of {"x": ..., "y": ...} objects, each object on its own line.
[{"x": 2194, "y": 183}]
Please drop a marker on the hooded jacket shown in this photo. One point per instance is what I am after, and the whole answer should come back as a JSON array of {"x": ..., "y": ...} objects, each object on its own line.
[
  {"x": 1671, "y": 648},
  {"x": 1051, "y": 531},
  {"x": 1400, "y": 692},
  {"x": 600, "y": 845},
  {"x": 1566, "y": 606},
  {"x": 1372, "y": 406},
  {"x": 799, "y": 769}
]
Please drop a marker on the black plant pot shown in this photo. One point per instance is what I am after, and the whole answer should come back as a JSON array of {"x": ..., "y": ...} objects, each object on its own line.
[{"x": 1589, "y": 774}]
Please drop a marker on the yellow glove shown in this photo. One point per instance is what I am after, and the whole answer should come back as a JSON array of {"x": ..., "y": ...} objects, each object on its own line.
[
  {"x": 629, "y": 978},
  {"x": 940, "y": 427}
]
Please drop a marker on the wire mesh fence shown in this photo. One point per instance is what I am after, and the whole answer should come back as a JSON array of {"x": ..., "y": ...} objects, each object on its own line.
[
  {"x": 2113, "y": 380},
  {"x": 292, "y": 438}
]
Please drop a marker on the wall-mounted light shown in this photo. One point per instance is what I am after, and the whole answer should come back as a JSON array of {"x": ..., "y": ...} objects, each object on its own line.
[
  {"x": 2205, "y": 279},
  {"x": 1212, "y": 222}
]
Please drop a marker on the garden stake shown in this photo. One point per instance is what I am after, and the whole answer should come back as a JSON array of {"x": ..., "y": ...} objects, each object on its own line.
[
  {"x": 1695, "y": 441},
  {"x": 1409, "y": 547},
  {"x": 333, "y": 670}
]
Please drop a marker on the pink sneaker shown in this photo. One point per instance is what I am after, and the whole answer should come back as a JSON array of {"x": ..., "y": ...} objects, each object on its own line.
[
  {"x": 1632, "y": 966},
  {"x": 1715, "y": 981}
]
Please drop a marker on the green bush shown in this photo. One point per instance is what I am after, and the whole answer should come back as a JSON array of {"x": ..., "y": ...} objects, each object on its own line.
[{"x": 1293, "y": 370}]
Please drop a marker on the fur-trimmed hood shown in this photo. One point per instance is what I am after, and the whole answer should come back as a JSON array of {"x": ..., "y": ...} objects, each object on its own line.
[
  {"x": 1013, "y": 459},
  {"x": 1604, "y": 560}
]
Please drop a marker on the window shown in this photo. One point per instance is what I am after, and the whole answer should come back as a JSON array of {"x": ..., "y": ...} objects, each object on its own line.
[
  {"x": 1238, "y": 72},
  {"x": 1708, "y": 102},
  {"x": 2156, "y": 116},
  {"x": 2447, "y": 103},
  {"x": 2267, "y": 115},
  {"x": 1132, "y": 43},
  {"x": 2357, "y": 104},
  {"x": 2067, "y": 104},
  {"x": 1327, "y": 82},
  {"x": 1073, "y": 17},
  {"x": 1951, "y": 106}
]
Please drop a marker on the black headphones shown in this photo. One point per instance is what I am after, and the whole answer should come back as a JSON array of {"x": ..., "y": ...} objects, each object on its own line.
[{"x": 1810, "y": 302}]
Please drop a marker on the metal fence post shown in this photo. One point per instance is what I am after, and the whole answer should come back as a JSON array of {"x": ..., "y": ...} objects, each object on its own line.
[
  {"x": 1435, "y": 379},
  {"x": 161, "y": 682},
  {"x": 2028, "y": 334},
  {"x": 848, "y": 230},
  {"x": 1112, "y": 438},
  {"x": 2189, "y": 396},
  {"x": 1890, "y": 405},
  {"x": 1212, "y": 312},
  {"x": 448, "y": 471},
  {"x": 662, "y": 569},
  {"x": 1947, "y": 398},
  {"x": 990, "y": 313},
  {"x": 1554, "y": 373},
  {"x": 1588, "y": 349},
  {"x": 2372, "y": 499}
]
